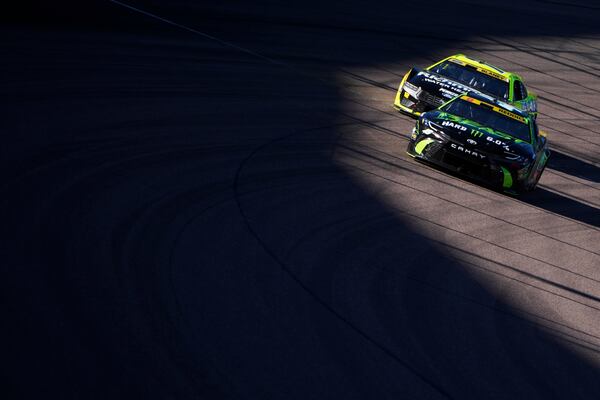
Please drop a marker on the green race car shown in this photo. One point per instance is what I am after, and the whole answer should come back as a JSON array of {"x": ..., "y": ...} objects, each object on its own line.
[
  {"x": 425, "y": 90},
  {"x": 481, "y": 137}
]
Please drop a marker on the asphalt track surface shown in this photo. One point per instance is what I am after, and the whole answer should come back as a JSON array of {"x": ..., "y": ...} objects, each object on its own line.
[{"x": 215, "y": 202}]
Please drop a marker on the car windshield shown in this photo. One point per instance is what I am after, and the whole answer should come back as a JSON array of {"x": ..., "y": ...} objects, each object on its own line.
[
  {"x": 471, "y": 77},
  {"x": 486, "y": 116}
]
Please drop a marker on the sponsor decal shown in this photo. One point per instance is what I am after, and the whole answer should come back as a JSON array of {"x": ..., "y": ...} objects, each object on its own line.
[
  {"x": 498, "y": 142},
  {"x": 476, "y": 133},
  {"x": 483, "y": 70},
  {"x": 465, "y": 150},
  {"x": 509, "y": 114},
  {"x": 447, "y": 93},
  {"x": 444, "y": 83},
  {"x": 454, "y": 125},
  {"x": 494, "y": 108},
  {"x": 492, "y": 74}
]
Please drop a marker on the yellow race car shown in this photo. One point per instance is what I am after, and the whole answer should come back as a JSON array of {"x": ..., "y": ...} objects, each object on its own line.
[{"x": 426, "y": 89}]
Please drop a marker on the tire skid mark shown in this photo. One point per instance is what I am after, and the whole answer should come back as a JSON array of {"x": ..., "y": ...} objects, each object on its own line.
[
  {"x": 286, "y": 269},
  {"x": 384, "y": 216},
  {"x": 511, "y": 311}
]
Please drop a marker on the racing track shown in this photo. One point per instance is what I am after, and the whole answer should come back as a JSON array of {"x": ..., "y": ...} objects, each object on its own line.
[{"x": 224, "y": 208}]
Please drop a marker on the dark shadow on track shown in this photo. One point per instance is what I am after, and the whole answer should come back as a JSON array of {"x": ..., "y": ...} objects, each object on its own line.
[
  {"x": 573, "y": 166},
  {"x": 175, "y": 226},
  {"x": 544, "y": 198},
  {"x": 563, "y": 205}
]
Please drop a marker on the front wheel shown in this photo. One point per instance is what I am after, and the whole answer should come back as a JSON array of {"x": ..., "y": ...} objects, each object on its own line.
[{"x": 533, "y": 184}]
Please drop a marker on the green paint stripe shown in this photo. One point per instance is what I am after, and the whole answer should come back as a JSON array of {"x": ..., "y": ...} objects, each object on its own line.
[
  {"x": 422, "y": 144},
  {"x": 507, "y": 181}
]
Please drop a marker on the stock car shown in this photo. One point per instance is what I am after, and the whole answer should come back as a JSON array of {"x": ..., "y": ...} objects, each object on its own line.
[
  {"x": 484, "y": 138},
  {"x": 425, "y": 90}
]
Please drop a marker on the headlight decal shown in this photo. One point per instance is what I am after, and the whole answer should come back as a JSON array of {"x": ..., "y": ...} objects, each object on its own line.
[
  {"x": 422, "y": 144},
  {"x": 512, "y": 156},
  {"x": 412, "y": 90}
]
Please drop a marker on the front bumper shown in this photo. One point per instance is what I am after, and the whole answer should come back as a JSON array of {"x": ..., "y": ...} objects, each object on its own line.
[{"x": 488, "y": 170}]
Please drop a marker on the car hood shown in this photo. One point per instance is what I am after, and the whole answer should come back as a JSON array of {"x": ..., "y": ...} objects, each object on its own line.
[
  {"x": 476, "y": 136},
  {"x": 438, "y": 85}
]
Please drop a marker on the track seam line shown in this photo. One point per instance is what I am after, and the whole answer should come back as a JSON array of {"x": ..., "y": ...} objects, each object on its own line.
[{"x": 420, "y": 218}]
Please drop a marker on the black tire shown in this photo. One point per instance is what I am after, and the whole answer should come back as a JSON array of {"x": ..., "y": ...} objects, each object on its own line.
[{"x": 533, "y": 185}]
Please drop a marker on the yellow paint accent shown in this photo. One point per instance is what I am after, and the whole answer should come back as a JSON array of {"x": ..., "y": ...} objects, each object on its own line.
[
  {"x": 491, "y": 73},
  {"x": 404, "y": 78},
  {"x": 397, "y": 99},
  {"x": 495, "y": 108},
  {"x": 399, "y": 106},
  {"x": 406, "y": 95},
  {"x": 509, "y": 114},
  {"x": 457, "y": 61},
  {"x": 470, "y": 99}
]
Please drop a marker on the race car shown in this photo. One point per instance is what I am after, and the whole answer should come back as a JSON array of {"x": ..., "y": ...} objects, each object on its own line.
[
  {"x": 484, "y": 138},
  {"x": 424, "y": 90}
]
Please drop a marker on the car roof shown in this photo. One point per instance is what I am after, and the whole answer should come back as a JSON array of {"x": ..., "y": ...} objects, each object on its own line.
[{"x": 482, "y": 66}]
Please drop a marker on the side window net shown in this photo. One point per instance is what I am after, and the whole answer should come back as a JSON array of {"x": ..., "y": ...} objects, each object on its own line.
[{"x": 520, "y": 92}]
